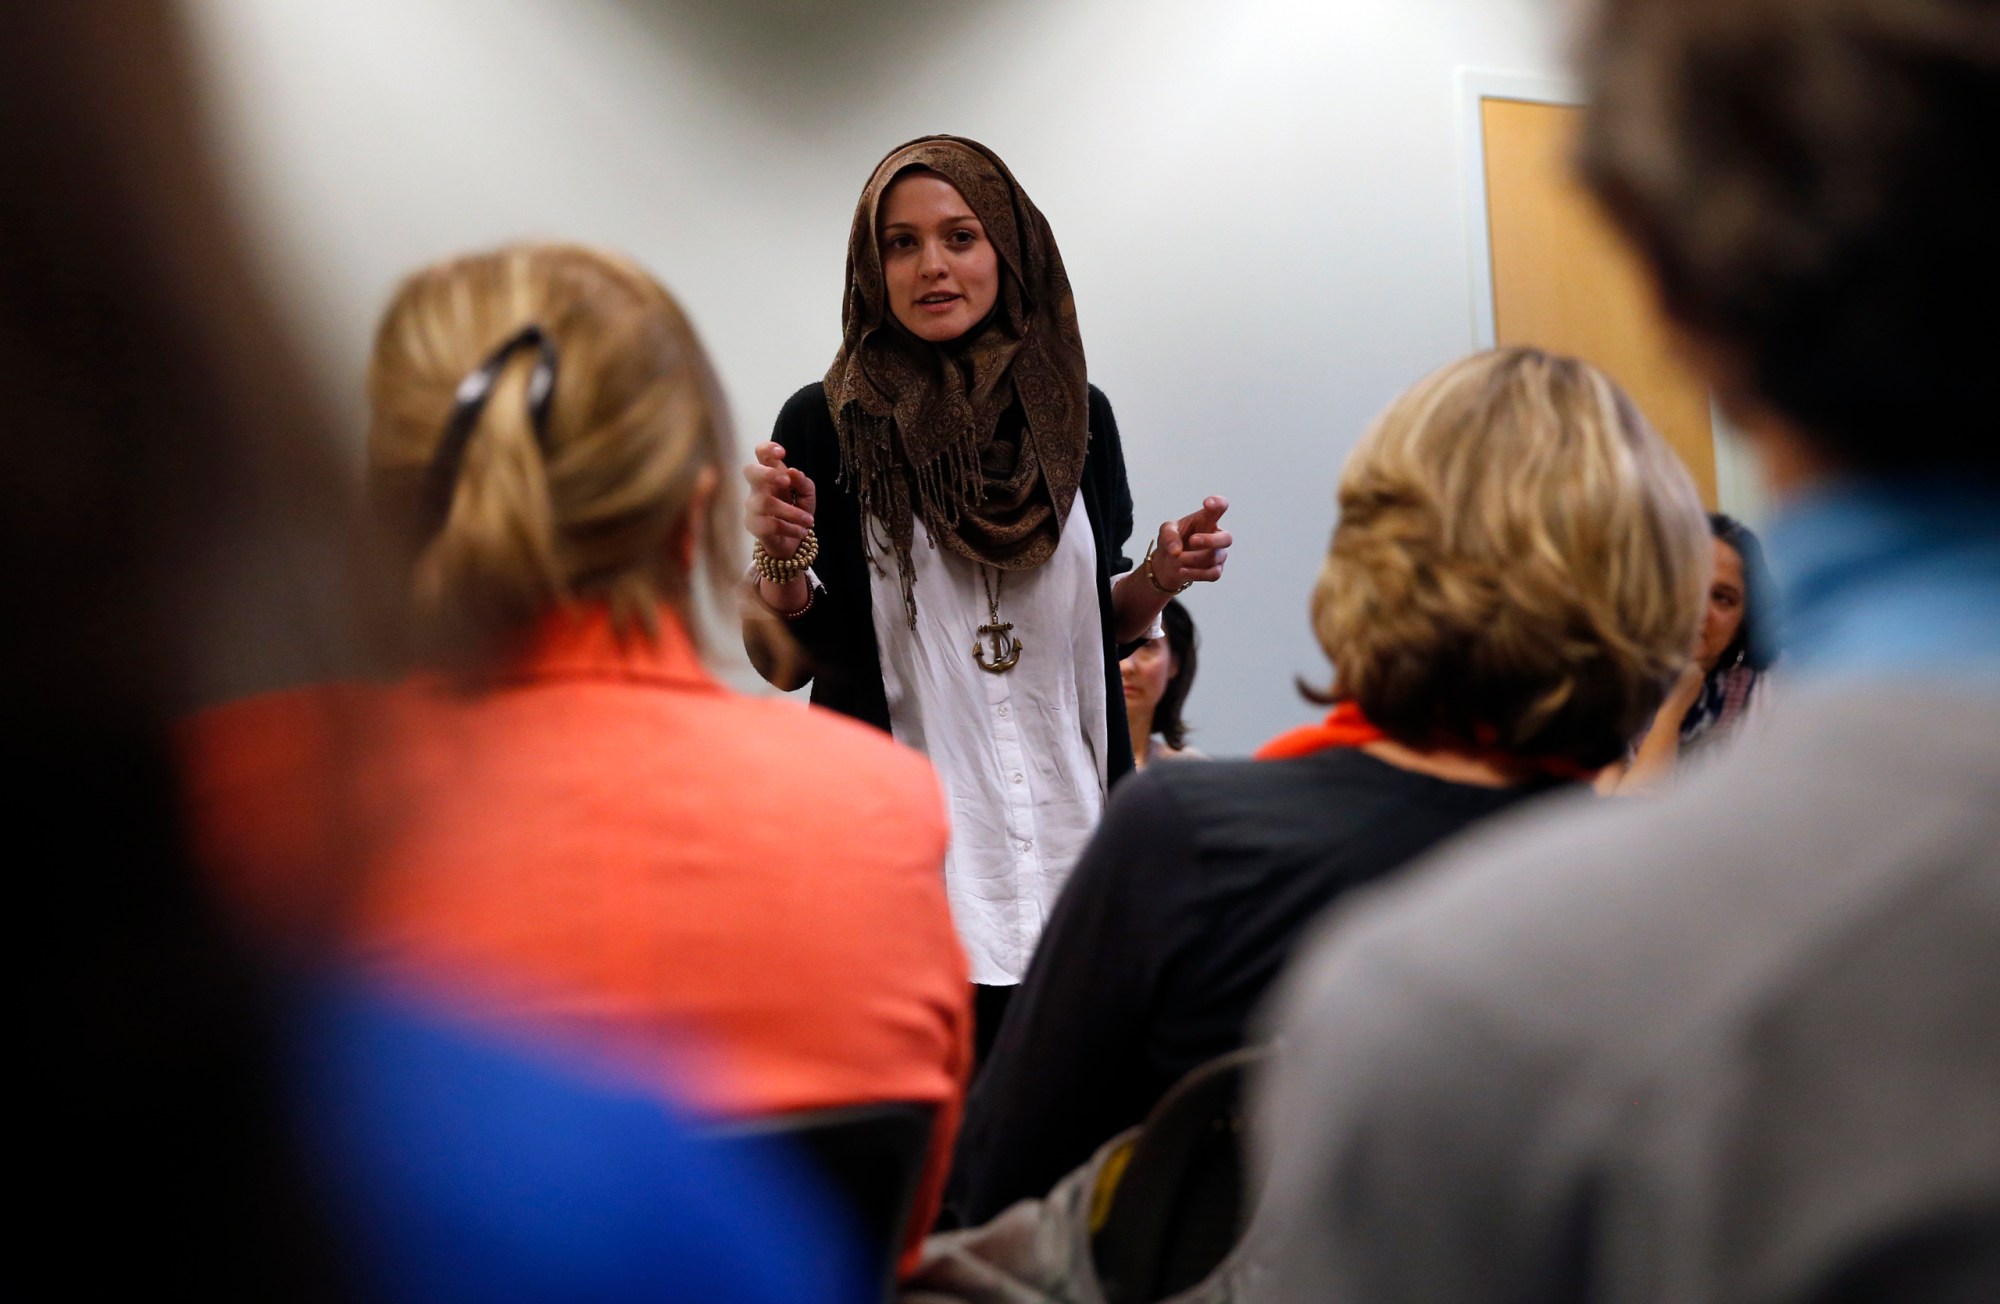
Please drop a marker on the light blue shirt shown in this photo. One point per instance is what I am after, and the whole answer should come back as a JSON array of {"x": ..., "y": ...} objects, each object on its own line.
[{"x": 1898, "y": 577}]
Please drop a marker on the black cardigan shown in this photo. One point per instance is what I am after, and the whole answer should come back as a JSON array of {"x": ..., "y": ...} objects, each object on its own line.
[
  {"x": 838, "y": 634},
  {"x": 1174, "y": 923}
]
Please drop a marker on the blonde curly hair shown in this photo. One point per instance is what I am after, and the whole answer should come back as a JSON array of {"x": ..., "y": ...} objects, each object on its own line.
[{"x": 1520, "y": 563}]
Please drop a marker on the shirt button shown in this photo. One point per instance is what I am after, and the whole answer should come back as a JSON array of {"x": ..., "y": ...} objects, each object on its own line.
[
  {"x": 1003, "y": 710},
  {"x": 1017, "y": 777},
  {"x": 1027, "y": 844}
]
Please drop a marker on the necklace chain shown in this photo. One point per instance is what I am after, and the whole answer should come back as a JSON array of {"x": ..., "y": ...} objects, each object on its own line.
[{"x": 993, "y": 581}]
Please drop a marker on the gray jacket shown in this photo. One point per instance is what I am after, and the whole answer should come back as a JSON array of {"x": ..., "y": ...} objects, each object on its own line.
[{"x": 1739, "y": 1043}]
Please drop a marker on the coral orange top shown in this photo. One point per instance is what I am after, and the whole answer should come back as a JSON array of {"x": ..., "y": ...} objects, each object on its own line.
[{"x": 607, "y": 842}]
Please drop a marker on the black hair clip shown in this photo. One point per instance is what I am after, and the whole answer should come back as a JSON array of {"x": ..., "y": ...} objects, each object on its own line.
[{"x": 470, "y": 401}]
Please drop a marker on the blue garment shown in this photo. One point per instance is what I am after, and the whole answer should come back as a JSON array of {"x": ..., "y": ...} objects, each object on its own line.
[
  {"x": 461, "y": 1169},
  {"x": 1891, "y": 576}
]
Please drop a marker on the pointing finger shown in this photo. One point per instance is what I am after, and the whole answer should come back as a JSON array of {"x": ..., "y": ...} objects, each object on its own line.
[{"x": 1201, "y": 522}]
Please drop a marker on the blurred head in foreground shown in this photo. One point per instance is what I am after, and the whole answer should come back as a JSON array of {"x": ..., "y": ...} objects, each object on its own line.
[
  {"x": 545, "y": 429},
  {"x": 159, "y": 431},
  {"x": 1814, "y": 189},
  {"x": 1810, "y": 920},
  {"x": 1520, "y": 563}
]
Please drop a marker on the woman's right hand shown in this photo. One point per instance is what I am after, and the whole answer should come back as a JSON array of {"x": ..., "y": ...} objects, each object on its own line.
[
  {"x": 781, "y": 504},
  {"x": 1653, "y": 760},
  {"x": 1684, "y": 694},
  {"x": 779, "y": 514}
]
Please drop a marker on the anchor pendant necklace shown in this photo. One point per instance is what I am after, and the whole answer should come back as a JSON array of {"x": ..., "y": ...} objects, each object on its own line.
[{"x": 1006, "y": 648}]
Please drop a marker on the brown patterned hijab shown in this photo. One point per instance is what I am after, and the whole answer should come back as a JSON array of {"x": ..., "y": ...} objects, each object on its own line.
[{"x": 983, "y": 437}]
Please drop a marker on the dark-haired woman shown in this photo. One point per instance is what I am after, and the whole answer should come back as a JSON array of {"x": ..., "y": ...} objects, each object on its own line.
[
  {"x": 1157, "y": 676},
  {"x": 940, "y": 520},
  {"x": 1721, "y": 686}
]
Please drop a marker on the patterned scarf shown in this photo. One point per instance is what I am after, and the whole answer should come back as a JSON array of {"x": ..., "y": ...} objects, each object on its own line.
[
  {"x": 1725, "y": 696},
  {"x": 983, "y": 437}
]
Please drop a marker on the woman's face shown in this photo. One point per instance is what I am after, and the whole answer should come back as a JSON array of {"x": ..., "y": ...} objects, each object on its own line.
[
  {"x": 1146, "y": 673},
  {"x": 941, "y": 272},
  {"x": 1724, "y": 615}
]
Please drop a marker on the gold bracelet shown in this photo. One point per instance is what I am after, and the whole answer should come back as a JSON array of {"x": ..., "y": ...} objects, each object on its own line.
[
  {"x": 783, "y": 570},
  {"x": 1147, "y": 566}
]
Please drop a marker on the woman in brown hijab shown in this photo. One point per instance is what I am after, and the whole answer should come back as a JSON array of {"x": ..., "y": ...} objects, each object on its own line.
[{"x": 940, "y": 521}]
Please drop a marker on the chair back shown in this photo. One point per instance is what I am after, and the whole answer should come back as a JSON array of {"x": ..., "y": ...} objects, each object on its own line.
[
  {"x": 870, "y": 1156},
  {"x": 1179, "y": 1206}
]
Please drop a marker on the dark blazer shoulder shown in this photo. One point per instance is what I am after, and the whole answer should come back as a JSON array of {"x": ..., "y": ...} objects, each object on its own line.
[
  {"x": 805, "y": 412},
  {"x": 1106, "y": 488},
  {"x": 1101, "y": 418},
  {"x": 805, "y": 402},
  {"x": 805, "y": 428}
]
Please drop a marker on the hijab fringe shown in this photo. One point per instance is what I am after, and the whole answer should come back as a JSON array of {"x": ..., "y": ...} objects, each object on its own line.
[{"x": 870, "y": 464}]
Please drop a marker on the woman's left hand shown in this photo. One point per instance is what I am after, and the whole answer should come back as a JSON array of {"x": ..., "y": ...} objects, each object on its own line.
[{"x": 1193, "y": 548}]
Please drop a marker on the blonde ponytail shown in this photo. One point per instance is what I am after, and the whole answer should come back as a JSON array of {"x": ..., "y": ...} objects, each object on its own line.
[
  {"x": 493, "y": 564},
  {"x": 510, "y": 515}
]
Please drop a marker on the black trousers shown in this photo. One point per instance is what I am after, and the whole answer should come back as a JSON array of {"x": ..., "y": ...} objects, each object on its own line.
[{"x": 989, "y": 1006}]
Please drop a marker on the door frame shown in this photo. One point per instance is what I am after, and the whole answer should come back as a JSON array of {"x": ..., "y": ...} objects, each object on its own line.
[{"x": 1475, "y": 87}]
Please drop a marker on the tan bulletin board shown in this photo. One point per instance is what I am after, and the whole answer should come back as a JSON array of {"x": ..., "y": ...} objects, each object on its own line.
[{"x": 1563, "y": 281}]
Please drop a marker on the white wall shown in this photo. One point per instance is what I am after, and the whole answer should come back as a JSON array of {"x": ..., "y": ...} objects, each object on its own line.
[{"x": 1259, "y": 203}]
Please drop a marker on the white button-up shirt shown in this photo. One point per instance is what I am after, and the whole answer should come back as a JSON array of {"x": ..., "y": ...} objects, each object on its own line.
[{"x": 1020, "y": 755}]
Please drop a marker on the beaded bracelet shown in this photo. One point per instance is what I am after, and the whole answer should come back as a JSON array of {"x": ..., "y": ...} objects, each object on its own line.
[
  {"x": 786, "y": 569},
  {"x": 812, "y": 596}
]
